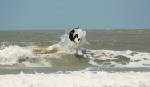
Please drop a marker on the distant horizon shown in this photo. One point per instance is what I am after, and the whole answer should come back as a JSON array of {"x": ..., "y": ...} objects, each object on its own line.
[{"x": 81, "y": 28}]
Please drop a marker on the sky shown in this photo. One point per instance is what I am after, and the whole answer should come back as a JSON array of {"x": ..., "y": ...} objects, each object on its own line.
[{"x": 62, "y": 14}]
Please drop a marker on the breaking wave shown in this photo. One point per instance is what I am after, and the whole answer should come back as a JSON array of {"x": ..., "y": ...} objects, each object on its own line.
[{"x": 35, "y": 56}]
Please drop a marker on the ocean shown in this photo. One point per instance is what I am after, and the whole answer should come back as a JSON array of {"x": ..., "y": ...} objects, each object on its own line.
[{"x": 47, "y": 58}]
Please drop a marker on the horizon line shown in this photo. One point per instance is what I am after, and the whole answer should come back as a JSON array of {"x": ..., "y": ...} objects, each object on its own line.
[{"x": 83, "y": 29}]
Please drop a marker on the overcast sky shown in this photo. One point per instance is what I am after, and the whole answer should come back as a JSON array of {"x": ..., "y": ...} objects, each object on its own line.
[{"x": 62, "y": 14}]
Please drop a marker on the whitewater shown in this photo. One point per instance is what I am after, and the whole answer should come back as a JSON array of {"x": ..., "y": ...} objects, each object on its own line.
[
  {"x": 64, "y": 64},
  {"x": 77, "y": 79}
]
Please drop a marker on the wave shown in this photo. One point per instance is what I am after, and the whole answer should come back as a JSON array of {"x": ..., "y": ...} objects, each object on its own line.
[
  {"x": 113, "y": 58},
  {"x": 35, "y": 56},
  {"x": 12, "y": 54}
]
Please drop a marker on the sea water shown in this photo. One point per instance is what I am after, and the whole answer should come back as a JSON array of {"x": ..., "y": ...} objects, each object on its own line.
[{"x": 47, "y": 58}]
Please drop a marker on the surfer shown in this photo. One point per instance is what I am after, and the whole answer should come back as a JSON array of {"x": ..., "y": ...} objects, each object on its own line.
[{"x": 75, "y": 35}]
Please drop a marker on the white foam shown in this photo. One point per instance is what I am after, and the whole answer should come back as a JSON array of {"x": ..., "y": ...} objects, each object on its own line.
[
  {"x": 10, "y": 55},
  {"x": 64, "y": 46},
  {"x": 136, "y": 59},
  {"x": 77, "y": 79}
]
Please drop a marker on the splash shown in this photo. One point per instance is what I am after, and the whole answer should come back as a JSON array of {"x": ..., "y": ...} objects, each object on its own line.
[{"x": 64, "y": 46}]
